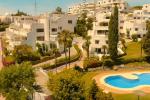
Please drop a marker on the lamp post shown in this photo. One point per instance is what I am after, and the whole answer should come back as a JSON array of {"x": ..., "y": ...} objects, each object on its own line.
[{"x": 35, "y": 5}]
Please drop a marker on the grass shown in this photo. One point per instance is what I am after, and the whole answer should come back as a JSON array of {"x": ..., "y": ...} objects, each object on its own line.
[
  {"x": 130, "y": 97},
  {"x": 133, "y": 50},
  {"x": 138, "y": 64}
]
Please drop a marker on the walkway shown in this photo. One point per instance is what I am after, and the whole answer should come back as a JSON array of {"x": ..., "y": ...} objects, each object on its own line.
[
  {"x": 79, "y": 41},
  {"x": 42, "y": 77}
]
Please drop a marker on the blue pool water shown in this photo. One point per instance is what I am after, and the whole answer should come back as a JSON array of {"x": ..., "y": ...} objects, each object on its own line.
[{"x": 121, "y": 82}]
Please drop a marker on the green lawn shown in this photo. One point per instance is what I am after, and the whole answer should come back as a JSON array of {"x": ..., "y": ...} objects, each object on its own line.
[
  {"x": 130, "y": 97},
  {"x": 133, "y": 50}
]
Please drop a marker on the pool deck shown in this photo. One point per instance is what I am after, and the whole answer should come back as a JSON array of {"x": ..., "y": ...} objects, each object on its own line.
[{"x": 127, "y": 74}]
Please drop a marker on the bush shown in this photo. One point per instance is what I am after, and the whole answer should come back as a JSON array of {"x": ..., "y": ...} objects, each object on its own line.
[
  {"x": 62, "y": 61},
  {"x": 108, "y": 62},
  {"x": 126, "y": 61},
  {"x": 34, "y": 56},
  {"x": 135, "y": 38},
  {"x": 78, "y": 68},
  {"x": 45, "y": 58},
  {"x": 92, "y": 62},
  {"x": 8, "y": 60}
]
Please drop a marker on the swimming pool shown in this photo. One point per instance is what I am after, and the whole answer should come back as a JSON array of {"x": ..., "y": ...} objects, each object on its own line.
[{"x": 121, "y": 82}]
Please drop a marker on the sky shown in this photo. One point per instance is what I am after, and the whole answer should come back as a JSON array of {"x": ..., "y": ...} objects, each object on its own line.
[{"x": 9, "y": 6}]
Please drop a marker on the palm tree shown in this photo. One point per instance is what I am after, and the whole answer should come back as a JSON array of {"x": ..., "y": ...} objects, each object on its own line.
[
  {"x": 63, "y": 39},
  {"x": 104, "y": 47},
  {"x": 69, "y": 45},
  {"x": 55, "y": 51},
  {"x": 87, "y": 45}
]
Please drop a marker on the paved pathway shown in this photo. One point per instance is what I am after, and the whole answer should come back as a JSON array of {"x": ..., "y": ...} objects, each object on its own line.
[
  {"x": 79, "y": 41},
  {"x": 42, "y": 77}
]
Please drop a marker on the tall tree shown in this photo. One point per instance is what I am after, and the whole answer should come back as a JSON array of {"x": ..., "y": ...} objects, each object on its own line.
[
  {"x": 56, "y": 52},
  {"x": 86, "y": 45},
  {"x": 146, "y": 40},
  {"x": 59, "y": 10},
  {"x": 20, "y": 13},
  {"x": 93, "y": 91},
  {"x": 63, "y": 38},
  {"x": 84, "y": 24},
  {"x": 25, "y": 53},
  {"x": 113, "y": 34},
  {"x": 17, "y": 81},
  {"x": 66, "y": 86},
  {"x": 69, "y": 45}
]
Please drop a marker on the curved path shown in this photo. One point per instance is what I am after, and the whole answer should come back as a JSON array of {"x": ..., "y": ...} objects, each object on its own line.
[{"x": 42, "y": 77}]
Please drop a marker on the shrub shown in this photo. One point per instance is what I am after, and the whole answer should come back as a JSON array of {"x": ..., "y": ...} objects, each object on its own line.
[
  {"x": 8, "y": 60},
  {"x": 62, "y": 61},
  {"x": 126, "y": 61},
  {"x": 108, "y": 62},
  {"x": 92, "y": 62},
  {"x": 78, "y": 68},
  {"x": 45, "y": 58},
  {"x": 134, "y": 38},
  {"x": 34, "y": 56}
]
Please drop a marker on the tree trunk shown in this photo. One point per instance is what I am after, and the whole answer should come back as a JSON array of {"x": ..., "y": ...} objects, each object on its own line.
[
  {"x": 56, "y": 63},
  {"x": 88, "y": 52},
  {"x": 69, "y": 56},
  {"x": 104, "y": 52},
  {"x": 65, "y": 55}
]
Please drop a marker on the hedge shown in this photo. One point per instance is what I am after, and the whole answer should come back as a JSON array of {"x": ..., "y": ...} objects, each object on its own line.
[
  {"x": 43, "y": 59},
  {"x": 62, "y": 61},
  {"x": 92, "y": 62}
]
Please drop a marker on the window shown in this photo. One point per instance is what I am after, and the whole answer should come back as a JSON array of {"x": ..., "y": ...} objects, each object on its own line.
[
  {"x": 121, "y": 27},
  {"x": 136, "y": 29},
  {"x": 54, "y": 29},
  {"x": 122, "y": 21},
  {"x": 138, "y": 17},
  {"x": 69, "y": 21},
  {"x": 98, "y": 50},
  {"x": 103, "y": 24},
  {"x": 40, "y": 38},
  {"x": 40, "y": 30},
  {"x": 106, "y": 41},
  {"x": 107, "y": 17},
  {"x": 99, "y": 32},
  {"x": 96, "y": 41}
]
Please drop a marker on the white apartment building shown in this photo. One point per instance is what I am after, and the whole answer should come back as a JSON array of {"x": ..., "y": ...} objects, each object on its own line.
[
  {"x": 79, "y": 8},
  {"x": 18, "y": 31},
  {"x": 98, "y": 5},
  {"x": 55, "y": 23},
  {"x": 122, "y": 4},
  {"x": 43, "y": 29},
  {"x": 100, "y": 30},
  {"x": 136, "y": 23}
]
